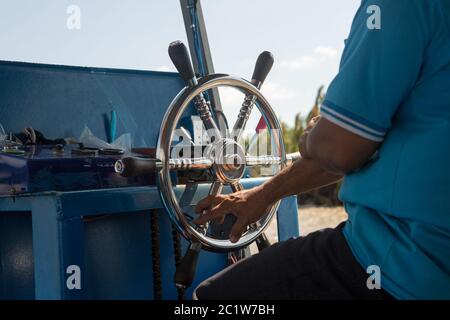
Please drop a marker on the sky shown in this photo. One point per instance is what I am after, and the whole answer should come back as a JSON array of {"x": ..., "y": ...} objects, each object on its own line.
[{"x": 305, "y": 36}]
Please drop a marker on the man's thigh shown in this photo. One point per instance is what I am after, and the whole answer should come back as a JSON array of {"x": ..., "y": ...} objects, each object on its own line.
[{"x": 318, "y": 266}]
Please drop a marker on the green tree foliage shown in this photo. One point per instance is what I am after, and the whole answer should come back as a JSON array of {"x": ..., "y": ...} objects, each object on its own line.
[
  {"x": 291, "y": 135},
  {"x": 315, "y": 110},
  {"x": 325, "y": 196}
]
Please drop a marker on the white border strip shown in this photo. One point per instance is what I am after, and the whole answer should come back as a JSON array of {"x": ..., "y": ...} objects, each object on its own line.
[
  {"x": 338, "y": 115},
  {"x": 351, "y": 128}
]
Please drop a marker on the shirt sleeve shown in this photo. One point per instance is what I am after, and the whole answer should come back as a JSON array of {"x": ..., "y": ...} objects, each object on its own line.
[{"x": 380, "y": 65}]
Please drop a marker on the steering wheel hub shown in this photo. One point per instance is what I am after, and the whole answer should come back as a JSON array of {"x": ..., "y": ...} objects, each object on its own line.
[{"x": 228, "y": 157}]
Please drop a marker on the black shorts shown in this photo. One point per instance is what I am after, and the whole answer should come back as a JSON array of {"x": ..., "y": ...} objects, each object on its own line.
[{"x": 318, "y": 266}]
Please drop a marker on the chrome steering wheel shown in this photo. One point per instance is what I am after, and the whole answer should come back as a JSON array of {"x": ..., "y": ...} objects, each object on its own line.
[{"x": 225, "y": 157}]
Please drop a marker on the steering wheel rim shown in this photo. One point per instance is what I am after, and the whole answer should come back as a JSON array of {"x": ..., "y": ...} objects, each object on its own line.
[{"x": 166, "y": 187}]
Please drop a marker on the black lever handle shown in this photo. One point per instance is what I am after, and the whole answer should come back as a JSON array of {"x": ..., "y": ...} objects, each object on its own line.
[
  {"x": 131, "y": 167},
  {"x": 179, "y": 55},
  {"x": 263, "y": 66},
  {"x": 185, "y": 273}
]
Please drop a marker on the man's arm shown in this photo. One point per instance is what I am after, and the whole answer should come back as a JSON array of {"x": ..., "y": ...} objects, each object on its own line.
[
  {"x": 250, "y": 205},
  {"x": 302, "y": 176},
  {"x": 336, "y": 149},
  {"x": 328, "y": 152}
]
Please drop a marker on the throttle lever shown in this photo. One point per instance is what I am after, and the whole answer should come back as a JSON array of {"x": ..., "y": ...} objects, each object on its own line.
[
  {"x": 179, "y": 55},
  {"x": 263, "y": 65},
  {"x": 185, "y": 272}
]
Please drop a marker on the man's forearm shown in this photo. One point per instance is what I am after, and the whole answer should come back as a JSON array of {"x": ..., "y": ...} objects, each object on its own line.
[{"x": 302, "y": 176}]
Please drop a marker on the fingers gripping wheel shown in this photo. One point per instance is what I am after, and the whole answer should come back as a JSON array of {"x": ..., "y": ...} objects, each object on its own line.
[{"x": 225, "y": 157}]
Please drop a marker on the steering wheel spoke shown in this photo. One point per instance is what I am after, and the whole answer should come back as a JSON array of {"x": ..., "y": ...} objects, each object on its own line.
[
  {"x": 181, "y": 164},
  {"x": 250, "y": 161},
  {"x": 216, "y": 188},
  {"x": 236, "y": 186},
  {"x": 264, "y": 161},
  {"x": 243, "y": 116},
  {"x": 204, "y": 111}
]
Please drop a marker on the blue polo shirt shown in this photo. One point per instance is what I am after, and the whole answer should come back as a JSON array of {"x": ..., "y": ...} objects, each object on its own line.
[{"x": 394, "y": 87}]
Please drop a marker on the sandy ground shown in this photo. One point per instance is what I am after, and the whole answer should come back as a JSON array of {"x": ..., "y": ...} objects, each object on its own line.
[{"x": 312, "y": 219}]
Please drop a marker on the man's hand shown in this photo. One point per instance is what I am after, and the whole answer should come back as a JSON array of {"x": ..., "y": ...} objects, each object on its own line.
[{"x": 247, "y": 205}]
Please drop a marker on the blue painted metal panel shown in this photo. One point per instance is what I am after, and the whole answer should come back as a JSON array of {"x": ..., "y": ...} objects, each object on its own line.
[
  {"x": 117, "y": 249},
  {"x": 287, "y": 218},
  {"x": 47, "y": 248},
  {"x": 16, "y": 257},
  {"x": 61, "y": 100},
  {"x": 42, "y": 234},
  {"x": 118, "y": 257},
  {"x": 40, "y": 170},
  {"x": 114, "y": 252}
]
